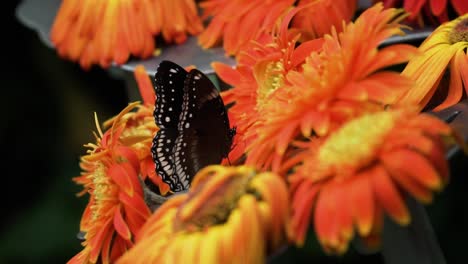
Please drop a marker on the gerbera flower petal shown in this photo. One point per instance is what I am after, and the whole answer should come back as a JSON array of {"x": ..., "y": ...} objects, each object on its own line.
[
  {"x": 318, "y": 17},
  {"x": 362, "y": 202},
  {"x": 120, "y": 225},
  {"x": 445, "y": 47},
  {"x": 236, "y": 23},
  {"x": 460, "y": 6},
  {"x": 412, "y": 186},
  {"x": 389, "y": 197},
  {"x": 420, "y": 170},
  {"x": 144, "y": 85}
]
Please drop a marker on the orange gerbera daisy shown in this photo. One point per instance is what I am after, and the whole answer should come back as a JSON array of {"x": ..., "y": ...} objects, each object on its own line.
[
  {"x": 102, "y": 32},
  {"x": 340, "y": 81},
  {"x": 112, "y": 174},
  {"x": 230, "y": 215},
  {"x": 349, "y": 178},
  {"x": 318, "y": 18},
  {"x": 261, "y": 68},
  {"x": 427, "y": 10},
  {"x": 445, "y": 47},
  {"x": 237, "y": 22},
  {"x": 116, "y": 208}
]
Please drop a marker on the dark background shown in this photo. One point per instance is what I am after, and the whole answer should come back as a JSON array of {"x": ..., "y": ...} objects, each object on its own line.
[{"x": 47, "y": 116}]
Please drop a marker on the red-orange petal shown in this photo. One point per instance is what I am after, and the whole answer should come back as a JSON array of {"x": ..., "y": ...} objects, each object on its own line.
[
  {"x": 362, "y": 204},
  {"x": 121, "y": 226},
  {"x": 136, "y": 203},
  {"x": 106, "y": 246},
  {"x": 461, "y": 6},
  {"x": 121, "y": 176},
  {"x": 226, "y": 73},
  {"x": 406, "y": 182},
  {"x": 415, "y": 166},
  {"x": 389, "y": 197},
  {"x": 144, "y": 85},
  {"x": 97, "y": 241},
  {"x": 302, "y": 211}
]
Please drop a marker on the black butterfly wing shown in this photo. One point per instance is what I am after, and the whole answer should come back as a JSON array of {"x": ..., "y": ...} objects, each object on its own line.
[
  {"x": 169, "y": 83},
  {"x": 204, "y": 132}
]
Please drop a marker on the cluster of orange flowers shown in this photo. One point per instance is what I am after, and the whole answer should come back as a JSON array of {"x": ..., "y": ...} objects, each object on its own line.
[
  {"x": 113, "y": 31},
  {"x": 330, "y": 138}
]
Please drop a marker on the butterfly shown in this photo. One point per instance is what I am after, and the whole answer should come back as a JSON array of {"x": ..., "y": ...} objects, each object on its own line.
[{"x": 193, "y": 122}]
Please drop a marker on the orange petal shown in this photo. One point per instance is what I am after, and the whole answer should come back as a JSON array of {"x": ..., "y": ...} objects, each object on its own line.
[
  {"x": 144, "y": 85},
  {"x": 303, "y": 51},
  {"x": 408, "y": 183},
  {"x": 97, "y": 241},
  {"x": 226, "y": 73},
  {"x": 344, "y": 216},
  {"x": 120, "y": 225},
  {"x": 389, "y": 197},
  {"x": 136, "y": 203},
  {"x": 362, "y": 203},
  {"x": 106, "y": 246},
  {"x": 302, "y": 210},
  {"x": 455, "y": 89},
  {"x": 126, "y": 154},
  {"x": 323, "y": 213},
  {"x": 415, "y": 166}
]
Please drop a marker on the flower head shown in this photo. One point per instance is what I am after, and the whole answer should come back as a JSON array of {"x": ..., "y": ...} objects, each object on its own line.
[
  {"x": 236, "y": 22},
  {"x": 261, "y": 69},
  {"x": 116, "y": 209},
  {"x": 444, "y": 48},
  {"x": 230, "y": 215},
  {"x": 102, "y": 32},
  {"x": 339, "y": 81},
  {"x": 113, "y": 171},
  {"x": 350, "y": 178}
]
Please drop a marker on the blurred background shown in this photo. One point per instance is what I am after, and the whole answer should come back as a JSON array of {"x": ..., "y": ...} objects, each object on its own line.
[{"x": 47, "y": 110}]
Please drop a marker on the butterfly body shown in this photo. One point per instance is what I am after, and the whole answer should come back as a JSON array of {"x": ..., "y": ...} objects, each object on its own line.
[{"x": 194, "y": 126}]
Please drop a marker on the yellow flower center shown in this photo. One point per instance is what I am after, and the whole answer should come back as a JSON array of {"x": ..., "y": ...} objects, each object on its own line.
[
  {"x": 460, "y": 32},
  {"x": 216, "y": 208},
  {"x": 271, "y": 80},
  {"x": 354, "y": 145},
  {"x": 102, "y": 191}
]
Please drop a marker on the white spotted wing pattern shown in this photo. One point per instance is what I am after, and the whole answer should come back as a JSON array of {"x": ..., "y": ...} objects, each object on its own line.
[
  {"x": 202, "y": 134},
  {"x": 169, "y": 82}
]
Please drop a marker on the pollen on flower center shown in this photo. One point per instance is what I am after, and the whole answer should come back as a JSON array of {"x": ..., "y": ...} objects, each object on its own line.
[
  {"x": 355, "y": 143},
  {"x": 459, "y": 32},
  {"x": 101, "y": 191},
  {"x": 273, "y": 80},
  {"x": 200, "y": 213}
]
